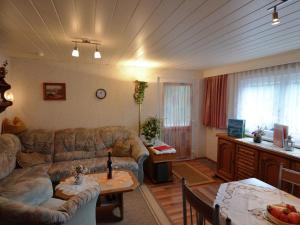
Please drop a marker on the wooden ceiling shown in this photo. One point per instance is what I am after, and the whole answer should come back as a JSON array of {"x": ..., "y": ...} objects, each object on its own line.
[{"x": 190, "y": 34}]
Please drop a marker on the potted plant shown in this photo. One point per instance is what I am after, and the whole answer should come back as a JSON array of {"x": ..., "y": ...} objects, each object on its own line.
[
  {"x": 78, "y": 172},
  {"x": 257, "y": 135},
  {"x": 151, "y": 129}
]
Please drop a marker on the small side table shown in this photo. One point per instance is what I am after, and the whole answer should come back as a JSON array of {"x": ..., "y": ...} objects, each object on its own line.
[{"x": 159, "y": 167}]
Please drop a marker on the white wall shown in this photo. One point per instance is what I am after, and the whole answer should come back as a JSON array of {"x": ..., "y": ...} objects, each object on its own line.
[
  {"x": 210, "y": 133},
  {"x": 82, "y": 108}
]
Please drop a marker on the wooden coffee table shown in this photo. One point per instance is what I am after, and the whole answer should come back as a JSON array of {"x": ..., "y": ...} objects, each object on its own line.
[{"x": 111, "y": 193}]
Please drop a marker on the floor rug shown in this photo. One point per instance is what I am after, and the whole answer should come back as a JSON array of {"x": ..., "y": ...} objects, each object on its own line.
[
  {"x": 191, "y": 174},
  {"x": 139, "y": 209}
]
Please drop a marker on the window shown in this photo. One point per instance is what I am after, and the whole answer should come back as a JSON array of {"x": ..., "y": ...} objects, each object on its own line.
[
  {"x": 268, "y": 96},
  {"x": 177, "y": 105}
]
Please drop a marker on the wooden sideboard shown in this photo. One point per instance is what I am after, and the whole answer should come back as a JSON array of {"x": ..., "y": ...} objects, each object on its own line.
[{"x": 241, "y": 158}]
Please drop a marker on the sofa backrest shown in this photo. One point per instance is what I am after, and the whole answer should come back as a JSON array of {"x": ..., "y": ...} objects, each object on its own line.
[
  {"x": 37, "y": 147},
  {"x": 84, "y": 143},
  {"x": 9, "y": 146}
]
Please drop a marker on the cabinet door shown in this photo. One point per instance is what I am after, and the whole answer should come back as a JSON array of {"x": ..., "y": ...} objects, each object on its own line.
[
  {"x": 226, "y": 156},
  {"x": 246, "y": 162},
  {"x": 296, "y": 166},
  {"x": 269, "y": 167}
]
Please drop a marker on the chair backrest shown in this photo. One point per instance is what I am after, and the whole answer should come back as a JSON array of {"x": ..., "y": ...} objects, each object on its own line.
[
  {"x": 203, "y": 210},
  {"x": 289, "y": 176}
]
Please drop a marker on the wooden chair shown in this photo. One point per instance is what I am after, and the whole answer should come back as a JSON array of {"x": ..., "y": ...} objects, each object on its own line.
[
  {"x": 289, "y": 176},
  {"x": 204, "y": 212}
]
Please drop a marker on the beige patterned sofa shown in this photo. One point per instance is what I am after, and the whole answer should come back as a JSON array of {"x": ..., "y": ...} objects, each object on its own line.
[
  {"x": 45, "y": 157},
  {"x": 63, "y": 149},
  {"x": 26, "y": 194}
]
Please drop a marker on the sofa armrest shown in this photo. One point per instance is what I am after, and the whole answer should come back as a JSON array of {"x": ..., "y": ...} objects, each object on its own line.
[
  {"x": 73, "y": 204},
  {"x": 17, "y": 213},
  {"x": 139, "y": 151},
  {"x": 140, "y": 154}
]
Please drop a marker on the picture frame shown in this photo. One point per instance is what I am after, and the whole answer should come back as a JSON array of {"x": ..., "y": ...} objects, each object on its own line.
[{"x": 54, "y": 91}]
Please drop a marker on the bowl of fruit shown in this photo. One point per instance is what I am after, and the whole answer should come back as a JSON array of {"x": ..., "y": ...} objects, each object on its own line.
[{"x": 283, "y": 214}]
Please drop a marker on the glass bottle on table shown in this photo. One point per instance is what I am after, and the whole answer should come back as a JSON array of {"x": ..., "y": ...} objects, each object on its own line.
[{"x": 109, "y": 166}]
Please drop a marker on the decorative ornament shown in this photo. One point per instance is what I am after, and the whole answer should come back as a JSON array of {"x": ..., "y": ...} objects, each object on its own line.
[{"x": 4, "y": 103}]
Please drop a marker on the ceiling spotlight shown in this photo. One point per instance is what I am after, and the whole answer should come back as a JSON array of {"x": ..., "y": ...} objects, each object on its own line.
[
  {"x": 75, "y": 52},
  {"x": 97, "y": 54},
  {"x": 275, "y": 17}
]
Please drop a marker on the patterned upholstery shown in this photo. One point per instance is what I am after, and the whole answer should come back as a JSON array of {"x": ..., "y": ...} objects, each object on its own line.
[
  {"x": 9, "y": 146},
  {"x": 38, "y": 145},
  {"x": 81, "y": 145},
  {"x": 29, "y": 185},
  {"x": 17, "y": 213},
  {"x": 60, "y": 170},
  {"x": 23, "y": 191}
]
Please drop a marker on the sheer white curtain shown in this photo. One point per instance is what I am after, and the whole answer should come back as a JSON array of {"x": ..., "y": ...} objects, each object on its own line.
[
  {"x": 266, "y": 96},
  {"x": 177, "y": 105},
  {"x": 177, "y": 127}
]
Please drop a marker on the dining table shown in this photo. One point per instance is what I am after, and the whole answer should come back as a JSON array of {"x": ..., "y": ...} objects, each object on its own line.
[{"x": 244, "y": 201}]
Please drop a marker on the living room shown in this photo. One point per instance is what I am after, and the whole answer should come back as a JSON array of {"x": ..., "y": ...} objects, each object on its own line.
[{"x": 144, "y": 94}]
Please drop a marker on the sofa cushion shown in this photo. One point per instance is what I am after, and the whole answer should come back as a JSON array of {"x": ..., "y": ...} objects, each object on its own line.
[
  {"x": 36, "y": 144},
  {"x": 29, "y": 185},
  {"x": 60, "y": 170},
  {"x": 13, "y": 127},
  {"x": 31, "y": 159},
  {"x": 9, "y": 146},
  {"x": 122, "y": 148},
  {"x": 80, "y": 143}
]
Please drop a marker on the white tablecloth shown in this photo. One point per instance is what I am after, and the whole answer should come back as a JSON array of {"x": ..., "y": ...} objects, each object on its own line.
[
  {"x": 120, "y": 179},
  {"x": 69, "y": 188},
  {"x": 246, "y": 204}
]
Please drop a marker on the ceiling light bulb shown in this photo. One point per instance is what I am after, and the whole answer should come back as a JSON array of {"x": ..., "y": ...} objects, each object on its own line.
[
  {"x": 275, "y": 17},
  {"x": 75, "y": 52},
  {"x": 97, "y": 54}
]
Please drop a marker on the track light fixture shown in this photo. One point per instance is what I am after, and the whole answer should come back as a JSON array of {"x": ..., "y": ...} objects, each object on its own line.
[
  {"x": 97, "y": 54},
  {"x": 275, "y": 17},
  {"x": 75, "y": 51}
]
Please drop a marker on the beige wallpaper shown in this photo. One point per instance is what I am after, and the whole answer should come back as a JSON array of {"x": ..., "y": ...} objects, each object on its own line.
[{"x": 82, "y": 108}]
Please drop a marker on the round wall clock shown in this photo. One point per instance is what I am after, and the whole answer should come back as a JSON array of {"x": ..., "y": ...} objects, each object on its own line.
[{"x": 101, "y": 93}]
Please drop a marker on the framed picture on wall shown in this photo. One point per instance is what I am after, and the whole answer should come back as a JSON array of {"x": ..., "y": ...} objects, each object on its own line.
[{"x": 54, "y": 91}]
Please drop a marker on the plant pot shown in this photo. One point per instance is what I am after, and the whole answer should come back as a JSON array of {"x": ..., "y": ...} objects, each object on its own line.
[{"x": 257, "y": 139}]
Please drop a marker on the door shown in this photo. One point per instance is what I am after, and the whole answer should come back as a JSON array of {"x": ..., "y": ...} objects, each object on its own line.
[
  {"x": 177, "y": 113},
  {"x": 226, "y": 156},
  {"x": 269, "y": 168}
]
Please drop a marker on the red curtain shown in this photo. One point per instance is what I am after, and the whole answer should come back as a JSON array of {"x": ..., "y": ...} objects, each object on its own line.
[{"x": 215, "y": 101}]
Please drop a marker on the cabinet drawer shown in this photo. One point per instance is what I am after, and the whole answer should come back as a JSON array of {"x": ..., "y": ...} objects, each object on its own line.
[
  {"x": 246, "y": 162},
  {"x": 269, "y": 167}
]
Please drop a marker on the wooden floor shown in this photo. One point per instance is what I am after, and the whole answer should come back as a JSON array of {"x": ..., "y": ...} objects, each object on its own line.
[{"x": 168, "y": 195}]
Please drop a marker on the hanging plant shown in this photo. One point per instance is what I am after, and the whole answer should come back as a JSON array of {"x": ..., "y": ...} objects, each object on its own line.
[{"x": 139, "y": 91}]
